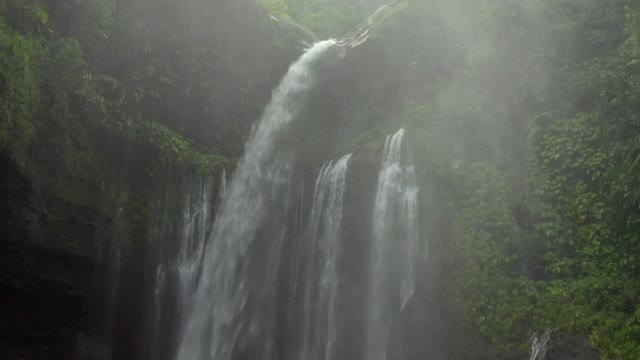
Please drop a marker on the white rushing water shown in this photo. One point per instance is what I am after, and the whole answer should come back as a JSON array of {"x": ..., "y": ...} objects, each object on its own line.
[
  {"x": 177, "y": 265},
  {"x": 320, "y": 320},
  {"x": 395, "y": 247},
  {"x": 223, "y": 290},
  {"x": 540, "y": 345},
  {"x": 196, "y": 224}
]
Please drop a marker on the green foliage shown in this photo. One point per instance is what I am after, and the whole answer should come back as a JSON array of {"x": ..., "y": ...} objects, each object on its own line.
[
  {"x": 529, "y": 121},
  {"x": 328, "y": 18},
  {"x": 376, "y": 134},
  {"x": 582, "y": 195},
  {"x": 498, "y": 300},
  {"x": 171, "y": 147},
  {"x": 26, "y": 16},
  {"x": 585, "y": 177},
  {"x": 19, "y": 94},
  {"x": 55, "y": 114},
  {"x": 276, "y": 7}
]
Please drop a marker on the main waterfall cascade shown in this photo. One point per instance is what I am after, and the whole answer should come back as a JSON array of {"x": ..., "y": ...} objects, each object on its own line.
[
  {"x": 395, "y": 244},
  {"x": 228, "y": 305}
]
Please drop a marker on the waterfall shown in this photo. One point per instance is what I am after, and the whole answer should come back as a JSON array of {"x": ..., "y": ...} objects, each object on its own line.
[
  {"x": 157, "y": 320},
  {"x": 179, "y": 243},
  {"x": 320, "y": 319},
  {"x": 196, "y": 223},
  {"x": 540, "y": 345},
  {"x": 221, "y": 310},
  {"x": 223, "y": 185},
  {"x": 395, "y": 244}
]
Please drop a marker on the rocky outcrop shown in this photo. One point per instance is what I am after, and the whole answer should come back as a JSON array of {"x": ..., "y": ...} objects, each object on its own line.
[
  {"x": 563, "y": 347},
  {"x": 47, "y": 276}
]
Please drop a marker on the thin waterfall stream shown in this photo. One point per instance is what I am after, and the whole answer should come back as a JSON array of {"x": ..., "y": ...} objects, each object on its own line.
[
  {"x": 322, "y": 275},
  {"x": 395, "y": 243}
]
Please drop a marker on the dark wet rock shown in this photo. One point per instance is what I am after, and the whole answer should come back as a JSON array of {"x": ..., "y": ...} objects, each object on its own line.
[
  {"x": 46, "y": 272},
  {"x": 355, "y": 39},
  {"x": 563, "y": 347}
]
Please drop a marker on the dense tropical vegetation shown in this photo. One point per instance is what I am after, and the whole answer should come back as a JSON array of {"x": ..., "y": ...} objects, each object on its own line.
[
  {"x": 326, "y": 18},
  {"x": 533, "y": 135}
]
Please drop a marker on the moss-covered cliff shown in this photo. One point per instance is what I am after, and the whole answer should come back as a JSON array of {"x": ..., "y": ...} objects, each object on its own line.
[{"x": 104, "y": 107}]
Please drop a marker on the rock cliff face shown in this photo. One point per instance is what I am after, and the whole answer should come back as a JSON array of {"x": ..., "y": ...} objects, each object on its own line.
[{"x": 48, "y": 277}]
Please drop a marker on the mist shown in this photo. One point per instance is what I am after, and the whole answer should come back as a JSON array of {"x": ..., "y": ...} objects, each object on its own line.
[{"x": 320, "y": 179}]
